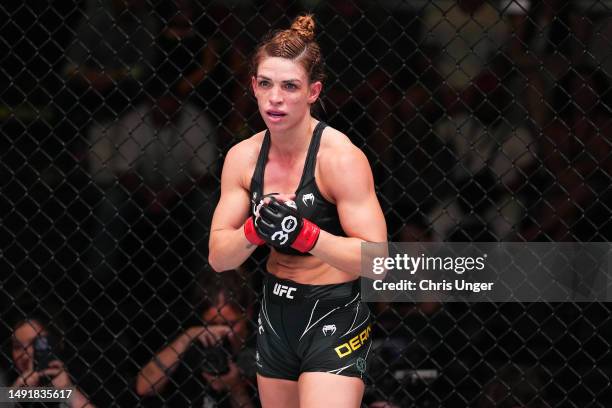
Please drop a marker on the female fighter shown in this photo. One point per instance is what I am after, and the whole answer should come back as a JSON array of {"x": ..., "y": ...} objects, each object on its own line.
[{"x": 302, "y": 188}]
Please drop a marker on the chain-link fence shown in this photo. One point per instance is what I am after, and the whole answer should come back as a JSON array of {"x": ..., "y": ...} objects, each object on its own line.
[{"x": 483, "y": 121}]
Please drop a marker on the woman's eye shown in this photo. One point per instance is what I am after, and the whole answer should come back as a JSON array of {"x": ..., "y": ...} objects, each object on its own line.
[
  {"x": 264, "y": 84},
  {"x": 290, "y": 86}
]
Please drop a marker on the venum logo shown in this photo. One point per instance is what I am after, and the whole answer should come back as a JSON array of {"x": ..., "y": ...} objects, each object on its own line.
[
  {"x": 308, "y": 199},
  {"x": 329, "y": 329},
  {"x": 283, "y": 290},
  {"x": 259, "y": 325},
  {"x": 257, "y": 361}
]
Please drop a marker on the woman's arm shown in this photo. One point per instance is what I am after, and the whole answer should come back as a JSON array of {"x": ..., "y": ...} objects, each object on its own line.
[
  {"x": 358, "y": 208},
  {"x": 228, "y": 246}
]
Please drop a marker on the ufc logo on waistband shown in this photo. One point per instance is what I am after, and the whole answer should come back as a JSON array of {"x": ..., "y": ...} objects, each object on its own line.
[{"x": 282, "y": 290}]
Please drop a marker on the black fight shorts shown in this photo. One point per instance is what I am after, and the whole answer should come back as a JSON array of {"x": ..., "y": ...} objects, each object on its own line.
[{"x": 312, "y": 328}]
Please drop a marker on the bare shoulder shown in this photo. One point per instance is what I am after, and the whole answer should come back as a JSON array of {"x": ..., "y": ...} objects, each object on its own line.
[
  {"x": 241, "y": 159},
  {"x": 338, "y": 154},
  {"x": 248, "y": 148},
  {"x": 341, "y": 164}
]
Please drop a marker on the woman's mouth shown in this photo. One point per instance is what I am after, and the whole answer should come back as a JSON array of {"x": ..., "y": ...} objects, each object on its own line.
[{"x": 275, "y": 115}]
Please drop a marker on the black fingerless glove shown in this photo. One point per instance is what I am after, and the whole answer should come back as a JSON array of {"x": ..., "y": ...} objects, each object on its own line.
[{"x": 281, "y": 225}]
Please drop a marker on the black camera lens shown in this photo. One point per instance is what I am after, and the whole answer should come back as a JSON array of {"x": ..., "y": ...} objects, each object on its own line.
[{"x": 43, "y": 352}]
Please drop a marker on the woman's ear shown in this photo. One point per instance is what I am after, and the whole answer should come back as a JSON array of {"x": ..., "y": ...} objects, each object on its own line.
[{"x": 314, "y": 91}]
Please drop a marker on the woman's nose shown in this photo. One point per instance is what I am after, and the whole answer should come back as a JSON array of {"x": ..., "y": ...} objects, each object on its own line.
[{"x": 276, "y": 95}]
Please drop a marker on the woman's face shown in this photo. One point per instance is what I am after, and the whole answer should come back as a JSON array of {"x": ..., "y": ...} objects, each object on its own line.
[
  {"x": 284, "y": 93},
  {"x": 23, "y": 345}
]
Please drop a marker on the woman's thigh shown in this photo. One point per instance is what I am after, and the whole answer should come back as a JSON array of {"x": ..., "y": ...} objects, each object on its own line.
[
  {"x": 317, "y": 389},
  {"x": 277, "y": 393}
]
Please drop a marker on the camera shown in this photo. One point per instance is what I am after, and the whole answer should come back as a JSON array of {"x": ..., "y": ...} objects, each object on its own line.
[
  {"x": 43, "y": 352},
  {"x": 214, "y": 360}
]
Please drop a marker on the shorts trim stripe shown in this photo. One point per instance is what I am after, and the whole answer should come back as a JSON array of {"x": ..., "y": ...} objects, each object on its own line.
[
  {"x": 356, "y": 327},
  {"x": 366, "y": 354},
  {"x": 310, "y": 319},
  {"x": 354, "y": 320},
  {"x": 354, "y": 299},
  {"x": 310, "y": 326},
  {"x": 339, "y": 370},
  {"x": 265, "y": 312}
]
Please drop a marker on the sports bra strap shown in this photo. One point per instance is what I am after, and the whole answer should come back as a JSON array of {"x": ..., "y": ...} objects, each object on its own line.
[
  {"x": 311, "y": 156},
  {"x": 261, "y": 165}
]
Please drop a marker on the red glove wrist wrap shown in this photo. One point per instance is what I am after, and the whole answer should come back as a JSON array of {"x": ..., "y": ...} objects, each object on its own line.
[
  {"x": 307, "y": 238},
  {"x": 251, "y": 234}
]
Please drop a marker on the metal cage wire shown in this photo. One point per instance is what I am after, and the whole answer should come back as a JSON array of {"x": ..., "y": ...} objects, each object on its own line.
[{"x": 482, "y": 120}]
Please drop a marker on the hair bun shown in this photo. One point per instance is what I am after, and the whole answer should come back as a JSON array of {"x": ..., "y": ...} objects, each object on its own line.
[{"x": 304, "y": 26}]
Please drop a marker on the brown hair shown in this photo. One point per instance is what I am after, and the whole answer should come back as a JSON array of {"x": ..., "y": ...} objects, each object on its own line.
[
  {"x": 296, "y": 43},
  {"x": 235, "y": 286}
]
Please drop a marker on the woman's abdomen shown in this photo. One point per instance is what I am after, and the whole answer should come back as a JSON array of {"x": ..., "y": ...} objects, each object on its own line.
[{"x": 308, "y": 270}]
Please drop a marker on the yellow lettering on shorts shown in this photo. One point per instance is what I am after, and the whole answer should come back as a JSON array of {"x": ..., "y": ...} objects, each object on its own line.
[
  {"x": 347, "y": 350},
  {"x": 354, "y": 343}
]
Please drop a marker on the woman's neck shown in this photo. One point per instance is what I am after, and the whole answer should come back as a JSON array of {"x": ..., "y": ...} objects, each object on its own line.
[{"x": 293, "y": 142}]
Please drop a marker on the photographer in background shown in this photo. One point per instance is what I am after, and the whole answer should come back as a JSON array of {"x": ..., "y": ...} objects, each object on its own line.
[
  {"x": 35, "y": 348},
  {"x": 207, "y": 365}
]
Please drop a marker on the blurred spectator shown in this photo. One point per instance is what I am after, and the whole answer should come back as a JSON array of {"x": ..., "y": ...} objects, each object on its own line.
[
  {"x": 577, "y": 154},
  {"x": 515, "y": 386},
  {"x": 393, "y": 315},
  {"x": 36, "y": 354},
  {"x": 468, "y": 135},
  {"x": 403, "y": 372},
  {"x": 526, "y": 51},
  {"x": 367, "y": 69},
  {"x": 446, "y": 62},
  {"x": 415, "y": 229},
  {"x": 587, "y": 20},
  {"x": 109, "y": 63},
  {"x": 163, "y": 154},
  {"x": 598, "y": 19},
  {"x": 472, "y": 48},
  {"x": 207, "y": 364},
  {"x": 494, "y": 158},
  {"x": 405, "y": 341},
  {"x": 460, "y": 38}
]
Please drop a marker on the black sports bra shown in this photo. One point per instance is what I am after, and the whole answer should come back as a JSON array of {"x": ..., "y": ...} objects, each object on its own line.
[{"x": 308, "y": 198}]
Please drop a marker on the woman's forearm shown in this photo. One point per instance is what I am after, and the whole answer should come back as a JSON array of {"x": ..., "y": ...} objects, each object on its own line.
[
  {"x": 229, "y": 249},
  {"x": 343, "y": 253}
]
